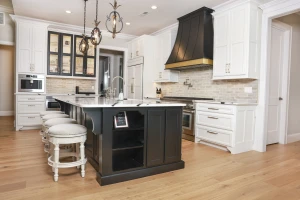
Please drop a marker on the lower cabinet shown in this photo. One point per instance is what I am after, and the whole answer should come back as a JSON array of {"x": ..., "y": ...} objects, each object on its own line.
[{"x": 164, "y": 136}]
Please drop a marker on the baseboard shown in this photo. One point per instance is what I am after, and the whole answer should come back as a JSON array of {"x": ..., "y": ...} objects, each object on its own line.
[
  {"x": 293, "y": 138},
  {"x": 6, "y": 113}
]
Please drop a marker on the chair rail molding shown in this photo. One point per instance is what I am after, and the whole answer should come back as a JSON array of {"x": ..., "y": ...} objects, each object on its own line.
[{"x": 272, "y": 10}]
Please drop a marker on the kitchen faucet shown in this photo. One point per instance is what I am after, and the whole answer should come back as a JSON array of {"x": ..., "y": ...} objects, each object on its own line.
[{"x": 113, "y": 89}]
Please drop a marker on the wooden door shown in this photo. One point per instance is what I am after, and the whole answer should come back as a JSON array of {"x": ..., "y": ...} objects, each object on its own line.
[
  {"x": 155, "y": 137},
  {"x": 24, "y": 47},
  {"x": 221, "y": 46},
  {"x": 275, "y": 90}
]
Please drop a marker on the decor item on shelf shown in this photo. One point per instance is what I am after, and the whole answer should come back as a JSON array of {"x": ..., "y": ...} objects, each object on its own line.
[
  {"x": 115, "y": 17},
  {"x": 96, "y": 36},
  {"x": 84, "y": 44}
]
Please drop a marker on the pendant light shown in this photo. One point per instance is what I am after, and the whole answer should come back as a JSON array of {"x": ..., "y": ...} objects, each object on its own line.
[
  {"x": 115, "y": 18},
  {"x": 96, "y": 36},
  {"x": 84, "y": 44}
]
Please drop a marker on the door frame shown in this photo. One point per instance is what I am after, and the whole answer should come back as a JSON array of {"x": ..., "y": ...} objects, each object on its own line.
[{"x": 271, "y": 10}]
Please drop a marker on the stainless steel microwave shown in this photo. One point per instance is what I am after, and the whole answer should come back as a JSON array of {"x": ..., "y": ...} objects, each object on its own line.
[{"x": 31, "y": 83}]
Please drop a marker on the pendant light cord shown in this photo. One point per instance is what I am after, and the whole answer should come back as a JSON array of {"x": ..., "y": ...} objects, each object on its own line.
[
  {"x": 96, "y": 11},
  {"x": 84, "y": 15}
]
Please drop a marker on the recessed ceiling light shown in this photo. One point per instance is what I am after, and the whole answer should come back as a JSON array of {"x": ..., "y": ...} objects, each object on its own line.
[
  {"x": 127, "y": 23},
  {"x": 154, "y": 7},
  {"x": 68, "y": 11}
]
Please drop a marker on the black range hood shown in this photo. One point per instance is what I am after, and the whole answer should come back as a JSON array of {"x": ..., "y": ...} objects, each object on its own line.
[{"x": 194, "y": 42}]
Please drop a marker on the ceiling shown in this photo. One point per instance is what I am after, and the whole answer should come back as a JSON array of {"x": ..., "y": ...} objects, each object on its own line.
[{"x": 167, "y": 13}]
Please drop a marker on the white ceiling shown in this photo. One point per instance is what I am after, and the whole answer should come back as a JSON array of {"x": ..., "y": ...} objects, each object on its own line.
[{"x": 167, "y": 13}]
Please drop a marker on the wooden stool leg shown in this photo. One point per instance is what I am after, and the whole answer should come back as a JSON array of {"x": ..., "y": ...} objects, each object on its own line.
[
  {"x": 82, "y": 155},
  {"x": 56, "y": 161},
  {"x": 77, "y": 153}
]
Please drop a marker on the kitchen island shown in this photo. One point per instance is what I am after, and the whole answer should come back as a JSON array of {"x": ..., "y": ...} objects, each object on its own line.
[{"x": 128, "y": 139}]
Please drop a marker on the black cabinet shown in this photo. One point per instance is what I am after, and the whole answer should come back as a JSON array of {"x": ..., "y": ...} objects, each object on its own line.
[
  {"x": 164, "y": 136},
  {"x": 60, "y": 54},
  {"x": 84, "y": 64}
]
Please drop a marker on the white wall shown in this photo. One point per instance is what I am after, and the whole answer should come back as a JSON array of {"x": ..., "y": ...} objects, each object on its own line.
[
  {"x": 294, "y": 102},
  {"x": 6, "y": 80},
  {"x": 7, "y": 31}
]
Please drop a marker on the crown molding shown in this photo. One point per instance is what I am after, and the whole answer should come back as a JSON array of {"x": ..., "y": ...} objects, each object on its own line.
[
  {"x": 233, "y": 3},
  {"x": 168, "y": 28},
  {"x": 271, "y": 4},
  {"x": 70, "y": 28},
  {"x": 6, "y": 9}
]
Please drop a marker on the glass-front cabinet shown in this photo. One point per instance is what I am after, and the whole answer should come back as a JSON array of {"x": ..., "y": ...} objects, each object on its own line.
[
  {"x": 85, "y": 64},
  {"x": 60, "y": 54}
]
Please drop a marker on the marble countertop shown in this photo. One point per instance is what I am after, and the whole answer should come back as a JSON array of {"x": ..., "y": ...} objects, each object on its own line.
[{"x": 100, "y": 102}]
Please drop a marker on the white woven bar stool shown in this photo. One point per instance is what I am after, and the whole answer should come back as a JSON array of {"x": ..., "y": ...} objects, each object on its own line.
[
  {"x": 52, "y": 122},
  {"x": 48, "y": 117},
  {"x": 42, "y": 114},
  {"x": 67, "y": 134}
]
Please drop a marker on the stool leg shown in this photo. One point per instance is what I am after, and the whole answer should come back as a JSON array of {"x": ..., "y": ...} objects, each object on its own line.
[
  {"x": 82, "y": 155},
  {"x": 77, "y": 153},
  {"x": 56, "y": 161}
]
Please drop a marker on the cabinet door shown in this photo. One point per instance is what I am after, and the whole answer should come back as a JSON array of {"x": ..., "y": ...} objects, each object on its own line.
[
  {"x": 140, "y": 48},
  {"x": 134, "y": 48},
  {"x": 130, "y": 50},
  {"x": 67, "y": 54},
  {"x": 130, "y": 83},
  {"x": 238, "y": 24},
  {"x": 138, "y": 81},
  {"x": 156, "y": 137},
  {"x": 173, "y": 135},
  {"x": 221, "y": 44},
  {"x": 39, "y": 40},
  {"x": 24, "y": 47}
]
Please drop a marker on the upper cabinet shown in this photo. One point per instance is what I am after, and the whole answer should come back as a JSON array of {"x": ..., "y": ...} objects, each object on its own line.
[
  {"x": 60, "y": 54},
  {"x": 136, "y": 48},
  {"x": 237, "y": 41},
  {"x": 164, "y": 43},
  {"x": 84, "y": 64},
  {"x": 31, "y": 47}
]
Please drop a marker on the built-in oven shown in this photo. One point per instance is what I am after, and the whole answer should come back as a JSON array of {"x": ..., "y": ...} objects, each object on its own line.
[
  {"x": 188, "y": 117},
  {"x": 31, "y": 83},
  {"x": 51, "y": 104}
]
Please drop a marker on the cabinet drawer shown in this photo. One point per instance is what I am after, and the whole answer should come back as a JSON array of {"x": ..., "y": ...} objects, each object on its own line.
[
  {"x": 31, "y": 98},
  {"x": 224, "y": 109},
  {"x": 29, "y": 120},
  {"x": 31, "y": 107},
  {"x": 214, "y": 135},
  {"x": 215, "y": 120}
]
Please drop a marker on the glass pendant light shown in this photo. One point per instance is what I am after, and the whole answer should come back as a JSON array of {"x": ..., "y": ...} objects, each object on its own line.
[
  {"x": 96, "y": 36},
  {"x": 115, "y": 18},
  {"x": 84, "y": 44}
]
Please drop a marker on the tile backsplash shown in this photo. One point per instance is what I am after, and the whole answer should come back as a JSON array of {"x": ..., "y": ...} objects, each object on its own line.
[
  {"x": 204, "y": 86},
  {"x": 67, "y": 86}
]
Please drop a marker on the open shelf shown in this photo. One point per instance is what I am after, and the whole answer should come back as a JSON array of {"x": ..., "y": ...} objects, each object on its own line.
[
  {"x": 128, "y": 159},
  {"x": 128, "y": 139}
]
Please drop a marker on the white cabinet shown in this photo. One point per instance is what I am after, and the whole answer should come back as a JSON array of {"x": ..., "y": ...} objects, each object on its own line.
[
  {"x": 31, "y": 48},
  {"x": 228, "y": 126},
  {"x": 135, "y": 82},
  {"x": 136, "y": 48},
  {"x": 28, "y": 108},
  {"x": 163, "y": 51},
  {"x": 237, "y": 41}
]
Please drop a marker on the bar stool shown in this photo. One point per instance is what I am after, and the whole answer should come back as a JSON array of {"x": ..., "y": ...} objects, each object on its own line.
[
  {"x": 48, "y": 113},
  {"x": 50, "y": 116},
  {"x": 52, "y": 122},
  {"x": 67, "y": 134}
]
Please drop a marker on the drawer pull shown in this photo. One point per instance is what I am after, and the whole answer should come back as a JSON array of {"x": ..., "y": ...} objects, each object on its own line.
[
  {"x": 212, "y": 117},
  {"x": 212, "y": 132},
  {"x": 31, "y": 105},
  {"x": 31, "y": 117},
  {"x": 31, "y": 99},
  {"x": 212, "y": 108}
]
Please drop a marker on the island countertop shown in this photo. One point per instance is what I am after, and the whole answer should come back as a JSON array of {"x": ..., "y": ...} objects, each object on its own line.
[{"x": 101, "y": 102}]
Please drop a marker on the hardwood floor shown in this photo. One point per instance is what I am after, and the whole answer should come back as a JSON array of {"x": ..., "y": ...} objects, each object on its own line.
[{"x": 209, "y": 174}]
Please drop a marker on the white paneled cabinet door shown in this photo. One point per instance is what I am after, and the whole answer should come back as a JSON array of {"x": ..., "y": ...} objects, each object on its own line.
[
  {"x": 24, "y": 47},
  {"x": 221, "y": 49},
  {"x": 238, "y": 21},
  {"x": 130, "y": 82},
  {"x": 38, "y": 49},
  {"x": 138, "y": 81}
]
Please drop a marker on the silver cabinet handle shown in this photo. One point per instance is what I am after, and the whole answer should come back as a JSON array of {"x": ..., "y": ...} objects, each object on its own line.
[
  {"x": 212, "y": 117},
  {"x": 31, "y": 117},
  {"x": 280, "y": 98},
  {"x": 212, "y": 108},
  {"x": 137, "y": 53},
  {"x": 31, "y": 98},
  {"x": 31, "y": 105},
  {"x": 132, "y": 90},
  {"x": 212, "y": 132}
]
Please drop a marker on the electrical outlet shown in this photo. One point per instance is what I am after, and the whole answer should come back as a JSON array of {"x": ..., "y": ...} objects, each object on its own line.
[{"x": 248, "y": 90}]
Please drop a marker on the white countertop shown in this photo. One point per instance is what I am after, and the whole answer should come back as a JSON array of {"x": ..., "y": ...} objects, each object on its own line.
[
  {"x": 227, "y": 103},
  {"x": 54, "y": 94},
  {"x": 100, "y": 102}
]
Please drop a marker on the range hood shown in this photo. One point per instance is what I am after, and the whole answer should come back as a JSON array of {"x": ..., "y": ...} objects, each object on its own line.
[{"x": 194, "y": 42}]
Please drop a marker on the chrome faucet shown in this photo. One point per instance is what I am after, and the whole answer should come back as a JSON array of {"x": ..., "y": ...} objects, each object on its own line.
[{"x": 113, "y": 90}]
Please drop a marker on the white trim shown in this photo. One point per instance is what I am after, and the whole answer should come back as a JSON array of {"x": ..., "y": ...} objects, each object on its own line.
[
  {"x": 293, "y": 138},
  {"x": 6, "y": 9},
  {"x": 168, "y": 28},
  {"x": 6, "y": 113},
  {"x": 233, "y": 3},
  {"x": 71, "y": 28},
  {"x": 7, "y": 43},
  {"x": 271, "y": 11}
]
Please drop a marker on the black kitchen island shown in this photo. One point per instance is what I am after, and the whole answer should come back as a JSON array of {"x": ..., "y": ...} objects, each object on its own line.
[{"x": 149, "y": 142}]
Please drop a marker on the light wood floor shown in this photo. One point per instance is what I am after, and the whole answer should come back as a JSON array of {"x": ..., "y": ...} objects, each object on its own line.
[{"x": 209, "y": 174}]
